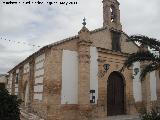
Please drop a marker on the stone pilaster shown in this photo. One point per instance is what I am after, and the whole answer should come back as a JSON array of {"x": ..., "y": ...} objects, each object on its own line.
[
  {"x": 146, "y": 94},
  {"x": 53, "y": 83},
  {"x": 130, "y": 102},
  {"x": 84, "y": 73},
  {"x": 31, "y": 83},
  {"x": 13, "y": 82},
  {"x": 20, "y": 85},
  {"x": 158, "y": 84}
]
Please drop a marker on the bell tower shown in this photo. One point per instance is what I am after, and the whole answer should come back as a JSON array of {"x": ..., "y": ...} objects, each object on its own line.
[{"x": 111, "y": 14}]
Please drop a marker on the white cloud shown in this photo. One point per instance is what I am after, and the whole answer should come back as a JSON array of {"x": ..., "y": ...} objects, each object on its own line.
[{"x": 44, "y": 24}]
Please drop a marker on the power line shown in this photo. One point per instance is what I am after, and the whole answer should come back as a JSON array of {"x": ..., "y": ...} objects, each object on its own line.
[{"x": 18, "y": 42}]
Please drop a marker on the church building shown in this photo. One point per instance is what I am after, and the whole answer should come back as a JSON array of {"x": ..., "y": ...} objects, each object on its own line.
[{"x": 79, "y": 78}]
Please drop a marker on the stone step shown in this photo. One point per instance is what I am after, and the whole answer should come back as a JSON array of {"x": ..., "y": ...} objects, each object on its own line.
[
  {"x": 121, "y": 117},
  {"x": 124, "y": 117}
]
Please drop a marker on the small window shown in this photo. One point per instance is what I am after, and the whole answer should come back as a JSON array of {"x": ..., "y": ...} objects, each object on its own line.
[{"x": 116, "y": 41}]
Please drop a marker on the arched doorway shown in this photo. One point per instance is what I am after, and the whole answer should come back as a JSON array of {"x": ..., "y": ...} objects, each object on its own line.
[{"x": 115, "y": 94}]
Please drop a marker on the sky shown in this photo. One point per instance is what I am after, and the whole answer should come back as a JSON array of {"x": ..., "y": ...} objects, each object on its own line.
[{"x": 44, "y": 24}]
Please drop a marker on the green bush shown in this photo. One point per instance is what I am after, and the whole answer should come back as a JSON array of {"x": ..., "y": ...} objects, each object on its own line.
[
  {"x": 153, "y": 115},
  {"x": 9, "y": 106}
]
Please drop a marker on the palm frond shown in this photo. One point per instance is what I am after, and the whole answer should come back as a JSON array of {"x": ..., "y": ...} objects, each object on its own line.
[
  {"x": 139, "y": 56},
  {"x": 143, "y": 56},
  {"x": 149, "y": 68},
  {"x": 151, "y": 42}
]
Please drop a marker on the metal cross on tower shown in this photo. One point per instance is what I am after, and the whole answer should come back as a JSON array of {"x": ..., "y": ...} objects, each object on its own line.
[{"x": 84, "y": 22}]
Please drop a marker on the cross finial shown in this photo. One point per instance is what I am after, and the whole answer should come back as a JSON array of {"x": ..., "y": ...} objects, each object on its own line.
[{"x": 84, "y": 21}]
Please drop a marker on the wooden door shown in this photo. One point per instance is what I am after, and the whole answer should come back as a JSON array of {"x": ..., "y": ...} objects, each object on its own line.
[{"x": 115, "y": 94}]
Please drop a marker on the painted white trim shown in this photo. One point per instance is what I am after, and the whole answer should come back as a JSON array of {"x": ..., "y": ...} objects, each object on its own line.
[
  {"x": 16, "y": 90},
  {"x": 3, "y": 79},
  {"x": 16, "y": 85},
  {"x": 153, "y": 86},
  {"x": 39, "y": 80},
  {"x": 40, "y": 58},
  {"x": 38, "y": 88},
  {"x": 10, "y": 83},
  {"x": 39, "y": 65},
  {"x": 26, "y": 68},
  {"x": 137, "y": 86},
  {"x": 26, "y": 97},
  {"x": 94, "y": 72},
  {"x": 38, "y": 96},
  {"x": 39, "y": 72},
  {"x": 17, "y": 71},
  {"x": 69, "y": 92}
]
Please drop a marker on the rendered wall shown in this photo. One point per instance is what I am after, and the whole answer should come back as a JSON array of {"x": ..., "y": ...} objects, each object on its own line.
[
  {"x": 3, "y": 79},
  {"x": 16, "y": 82},
  {"x": 26, "y": 68},
  {"x": 137, "y": 88},
  {"x": 69, "y": 92},
  {"x": 94, "y": 72},
  {"x": 39, "y": 75},
  {"x": 153, "y": 86},
  {"x": 9, "y": 84}
]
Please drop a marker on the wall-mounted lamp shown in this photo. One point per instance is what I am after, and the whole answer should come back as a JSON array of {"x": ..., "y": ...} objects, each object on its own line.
[
  {"x": 106, "y": 67},
  {"x": 136, "y": 71},
  {"x": 102, "y": 73}
]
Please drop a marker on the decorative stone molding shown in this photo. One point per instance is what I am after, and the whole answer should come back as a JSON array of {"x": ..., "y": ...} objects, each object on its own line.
[
  {"x": 56, "y": 87},
  {"x": 103, "y": 50},
  {"x": 84, "y": 58}
]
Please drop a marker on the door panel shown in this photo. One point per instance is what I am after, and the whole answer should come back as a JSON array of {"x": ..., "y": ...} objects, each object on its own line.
[{"x": 115, "y": 94}]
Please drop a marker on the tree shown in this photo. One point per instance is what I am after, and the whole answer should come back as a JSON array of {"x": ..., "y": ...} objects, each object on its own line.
[
  {"x": 9, "y": 106},
  {"x": 144, "y": 55},
  {"x": 154, "y": 114}
]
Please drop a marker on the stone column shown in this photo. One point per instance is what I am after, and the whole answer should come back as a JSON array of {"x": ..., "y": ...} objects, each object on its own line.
[{"x": 84, "y": 73}]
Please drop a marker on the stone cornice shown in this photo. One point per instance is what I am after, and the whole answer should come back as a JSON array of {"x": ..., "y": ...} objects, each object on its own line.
[
  {"x": 115, "y": 30},
  {"x": 99, "y": 29},
  {"x": 84, "y": 42},
  {"x": 103, "y": 50}
]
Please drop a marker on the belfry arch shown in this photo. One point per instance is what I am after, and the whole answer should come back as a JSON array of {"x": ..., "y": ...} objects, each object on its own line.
[{"x": 113, "y": 13}]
